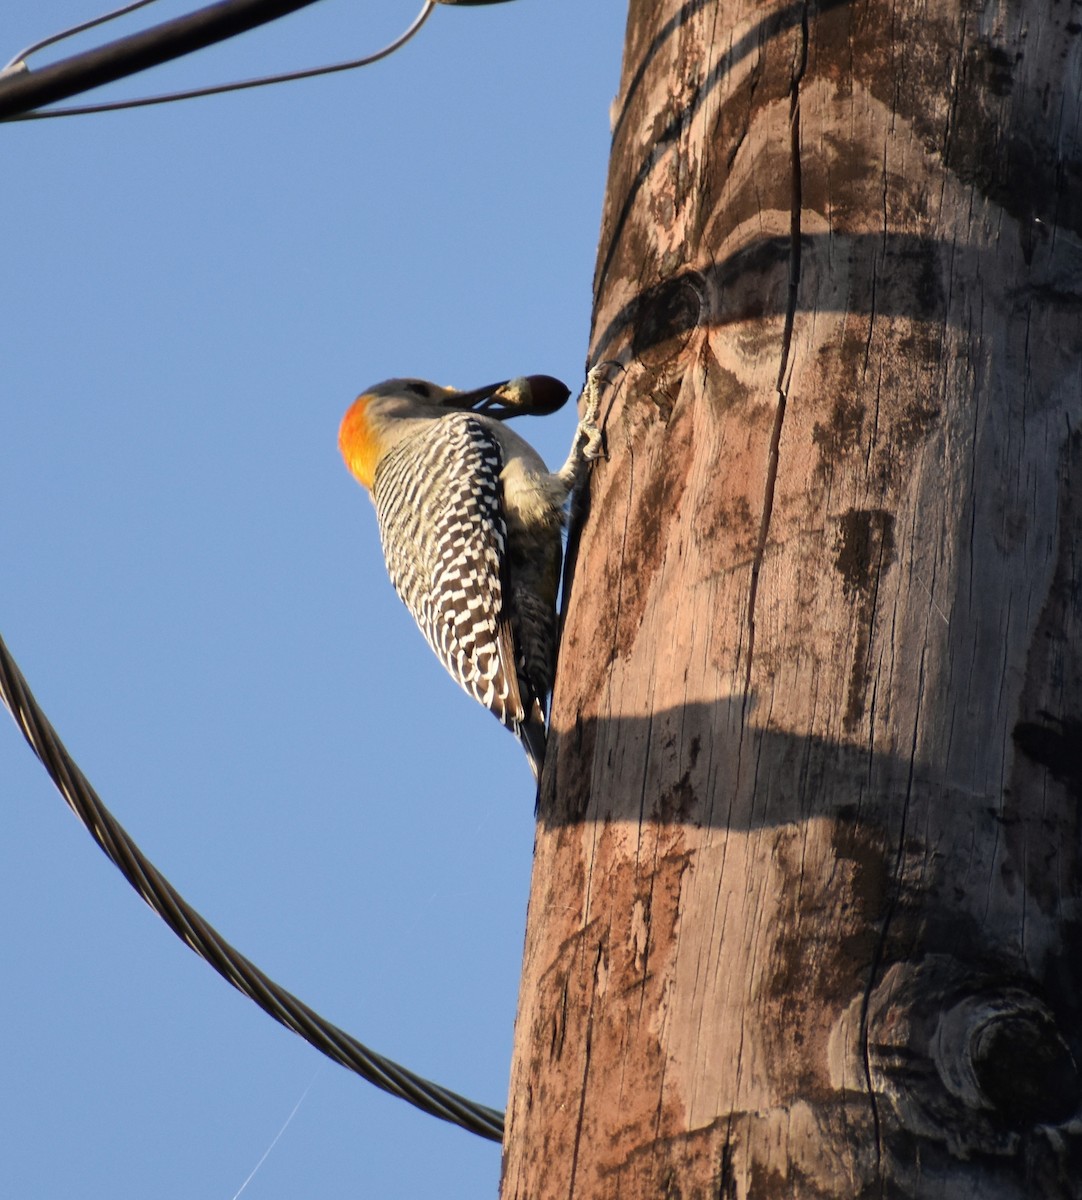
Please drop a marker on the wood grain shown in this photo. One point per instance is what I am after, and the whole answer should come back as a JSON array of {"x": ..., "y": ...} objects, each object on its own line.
[{"x": 805, "y": 910}]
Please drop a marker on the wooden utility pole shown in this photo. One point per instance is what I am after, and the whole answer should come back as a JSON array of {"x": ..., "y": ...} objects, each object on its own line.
[{"x": 805, "y": 918}]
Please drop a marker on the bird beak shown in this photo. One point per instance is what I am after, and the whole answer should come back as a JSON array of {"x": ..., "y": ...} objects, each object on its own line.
[
  {"x": 472, "y": 399},
  {"x": 527, "y": 395}
]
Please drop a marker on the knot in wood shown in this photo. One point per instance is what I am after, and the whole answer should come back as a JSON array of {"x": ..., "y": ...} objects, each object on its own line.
[
  {"x": 963, "y": 1056},
  {"x": 1000, "y": 1050},
  {"x": 666, "y": 316}
]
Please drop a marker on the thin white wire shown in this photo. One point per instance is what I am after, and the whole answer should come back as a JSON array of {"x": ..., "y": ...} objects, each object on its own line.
[{"x": 277, "y": 1136}]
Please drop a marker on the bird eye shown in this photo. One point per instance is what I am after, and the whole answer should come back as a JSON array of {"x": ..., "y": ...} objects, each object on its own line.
[{"x": 420, "y": 389}]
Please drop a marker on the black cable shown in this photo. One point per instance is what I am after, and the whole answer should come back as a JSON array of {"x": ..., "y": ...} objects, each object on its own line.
[
  {"x": 205, "y": 940},
  {"x": 78, "y": 110},
  {"x": 23, "y": 91},
  {"x": 20, "y": 92},
  {"x": 18, "y": 63}
]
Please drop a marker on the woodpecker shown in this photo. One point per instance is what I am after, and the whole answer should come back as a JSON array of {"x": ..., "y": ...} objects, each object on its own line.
[{"x": 470, "y": 522}]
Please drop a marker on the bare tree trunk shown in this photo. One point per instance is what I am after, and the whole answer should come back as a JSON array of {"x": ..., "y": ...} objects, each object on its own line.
[{"x": 805, "y": 914}]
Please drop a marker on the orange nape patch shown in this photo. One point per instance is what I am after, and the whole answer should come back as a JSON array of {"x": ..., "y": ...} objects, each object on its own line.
[{"x": 358, "y": 442}]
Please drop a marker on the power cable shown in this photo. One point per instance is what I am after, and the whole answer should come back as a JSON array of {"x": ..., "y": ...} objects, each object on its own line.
[
  {"x": 18, "y": 63},
  {"x": 26, "y": 90},
  {"x": 23, "y": 92},
  {"x": 240, "y": 85},
  {"x": 201, "y": 937}
]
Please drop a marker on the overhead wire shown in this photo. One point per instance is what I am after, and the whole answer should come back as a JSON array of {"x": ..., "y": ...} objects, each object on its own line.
[
  {"x": 205, "y": 940},
  {"x": 18, "y": 62},
  {"x": 78, "y": 110}
]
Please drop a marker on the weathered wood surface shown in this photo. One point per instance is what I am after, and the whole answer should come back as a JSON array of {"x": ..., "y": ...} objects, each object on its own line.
[{"x": 805, "y": 911}]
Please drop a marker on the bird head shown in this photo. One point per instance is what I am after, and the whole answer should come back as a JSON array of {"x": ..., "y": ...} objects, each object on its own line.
[{"x": 370, "y": 426}]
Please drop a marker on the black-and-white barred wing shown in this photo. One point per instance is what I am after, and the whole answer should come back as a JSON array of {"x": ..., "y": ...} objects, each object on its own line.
[{"x": 441, "y": 523}]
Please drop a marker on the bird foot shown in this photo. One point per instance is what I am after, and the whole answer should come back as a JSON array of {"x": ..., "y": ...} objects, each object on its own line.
[{"x": 589, "y": 432}]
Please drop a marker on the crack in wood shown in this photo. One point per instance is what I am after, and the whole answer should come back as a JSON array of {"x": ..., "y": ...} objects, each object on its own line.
[
  {"x": 585, "y": 1076},
  {"x": 881, "y": 943},
  {"x": 796, "y": 197}
]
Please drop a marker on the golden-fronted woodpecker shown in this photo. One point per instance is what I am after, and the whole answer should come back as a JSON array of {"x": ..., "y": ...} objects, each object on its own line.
[{"x": 470, "y": 522}]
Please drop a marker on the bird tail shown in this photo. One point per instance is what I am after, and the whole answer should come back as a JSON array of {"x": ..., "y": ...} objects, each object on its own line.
[{"x": 531, "y": 733}]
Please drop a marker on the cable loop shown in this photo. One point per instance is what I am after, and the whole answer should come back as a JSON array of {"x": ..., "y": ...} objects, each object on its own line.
[
  {"x": 19, "y": 61},
  {"x": 18, "y": 64}
]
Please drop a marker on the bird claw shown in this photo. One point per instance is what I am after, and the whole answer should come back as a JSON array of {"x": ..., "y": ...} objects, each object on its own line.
[
  {"x": 588, "y": 444},
  {"x": 591, "y": 445},
  {"x": 589, "y": 431}
]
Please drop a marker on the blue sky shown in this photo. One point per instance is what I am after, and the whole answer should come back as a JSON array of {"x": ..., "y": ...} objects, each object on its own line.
[{"x": 192, "y": 583}]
